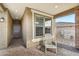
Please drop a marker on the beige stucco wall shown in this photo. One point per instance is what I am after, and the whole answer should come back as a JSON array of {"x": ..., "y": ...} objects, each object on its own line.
[
  {"x": 5, "y": 30},
  {"x": 27, "y": 27},
  {"x": 1, "y": 8},
  {"x": 77, "y": 28},
  {"x": 9, "y": 27}
]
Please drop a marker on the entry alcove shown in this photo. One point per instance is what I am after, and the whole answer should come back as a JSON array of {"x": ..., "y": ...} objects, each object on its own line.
[{"x": 34, "y": 27}]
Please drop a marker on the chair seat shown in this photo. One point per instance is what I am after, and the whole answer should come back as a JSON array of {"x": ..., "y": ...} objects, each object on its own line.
[{"x": 50, "y": 46}]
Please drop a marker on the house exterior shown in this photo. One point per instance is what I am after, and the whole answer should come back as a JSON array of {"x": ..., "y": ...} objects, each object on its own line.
[
  {"x": 36, "y": 24},
  {"x": 28, "y": 19},
  {"x": 28, "y": 29}
]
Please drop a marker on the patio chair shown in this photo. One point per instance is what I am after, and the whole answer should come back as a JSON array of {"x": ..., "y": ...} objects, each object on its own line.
[{"x": 49, "y": 43}]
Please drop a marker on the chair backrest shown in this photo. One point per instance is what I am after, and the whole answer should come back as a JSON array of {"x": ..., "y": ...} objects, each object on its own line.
[{"x": 48, "y": 39}]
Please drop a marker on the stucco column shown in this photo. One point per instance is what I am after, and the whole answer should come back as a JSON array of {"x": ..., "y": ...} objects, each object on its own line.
[
  {"x": 27, "y": 27},
  {"x": 77, "y": 28}
]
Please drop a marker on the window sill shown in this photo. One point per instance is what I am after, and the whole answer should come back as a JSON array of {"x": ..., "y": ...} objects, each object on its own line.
[{"x": 37, "y": 39}]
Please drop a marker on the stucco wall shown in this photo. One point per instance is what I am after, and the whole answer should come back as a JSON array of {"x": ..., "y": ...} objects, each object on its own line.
[
  {"x": 9, "y": 27},
  {"x": 77, "y": 28},
  {"x": 27, "y": 27},
  {"x": 5, "y": 30}
]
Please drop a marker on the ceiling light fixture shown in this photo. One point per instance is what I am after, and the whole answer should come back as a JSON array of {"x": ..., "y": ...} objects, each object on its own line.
[
  {"x": 56, "y": 6},
  {"x": 16, "y": 11},
  {"x": 16, "y": 17}
]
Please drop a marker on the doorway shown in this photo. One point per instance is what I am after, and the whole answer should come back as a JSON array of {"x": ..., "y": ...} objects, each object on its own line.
[{"x": 17, "y": 39}]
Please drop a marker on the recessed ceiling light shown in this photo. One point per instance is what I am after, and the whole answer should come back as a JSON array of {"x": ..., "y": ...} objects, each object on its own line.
[
  {"x": 56, "y": 6},
  {"x": 16, "y": 11},
  {"x": 16, "y": 17}
]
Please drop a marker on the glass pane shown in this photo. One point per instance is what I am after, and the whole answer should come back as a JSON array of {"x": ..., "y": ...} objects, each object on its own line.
[
  {"x": 39, "y": 21},
  {"x": 39, "y": 25},
  {"x": 48, "y": 25},
  {"x": 39, "y": 31}
]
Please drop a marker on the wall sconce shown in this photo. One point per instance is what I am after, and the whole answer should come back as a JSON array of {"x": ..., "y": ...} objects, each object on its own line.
[{"x": 2, "y": 19}]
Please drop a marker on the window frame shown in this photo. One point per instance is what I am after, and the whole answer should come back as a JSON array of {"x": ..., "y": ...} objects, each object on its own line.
[{"x": 35, "y": 14}]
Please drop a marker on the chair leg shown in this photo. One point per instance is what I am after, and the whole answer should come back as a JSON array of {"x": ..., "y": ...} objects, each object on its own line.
[{"x": 45, "y": 50}]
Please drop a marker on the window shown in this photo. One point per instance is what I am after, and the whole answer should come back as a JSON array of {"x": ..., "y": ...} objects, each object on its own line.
[
  {"x": 68, "y": 18},
  {"x": 66, "y": 26},
  {"x": 39, "y": 26},
  {"x": 42, "y": 25},
  {"x": 48, "y": 25}
]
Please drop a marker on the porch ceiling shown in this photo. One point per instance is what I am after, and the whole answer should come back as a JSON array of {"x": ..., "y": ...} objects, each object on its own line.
[{"x": 17, "y": 9}]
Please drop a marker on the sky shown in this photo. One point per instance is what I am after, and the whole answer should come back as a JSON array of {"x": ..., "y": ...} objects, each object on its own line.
[{"x": 68, "y": 18}]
